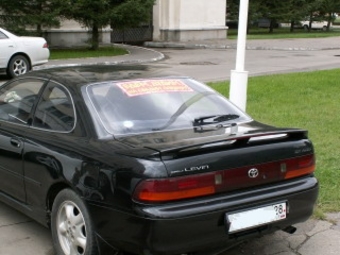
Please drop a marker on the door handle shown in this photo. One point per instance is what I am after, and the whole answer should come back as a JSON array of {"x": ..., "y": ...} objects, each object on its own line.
[
  {"x": 15, "y": 142},
  {"x": 11, "y": 46}
]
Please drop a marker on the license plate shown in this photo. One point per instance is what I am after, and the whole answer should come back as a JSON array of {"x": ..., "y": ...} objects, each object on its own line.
[{"x": 256, "y": 217}]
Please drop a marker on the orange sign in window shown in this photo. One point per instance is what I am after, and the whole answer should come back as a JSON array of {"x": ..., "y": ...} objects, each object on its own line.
[{"x": 138, "y": 88}]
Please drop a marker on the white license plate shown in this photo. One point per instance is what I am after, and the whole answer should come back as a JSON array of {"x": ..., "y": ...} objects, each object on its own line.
[{"x": 256, "y": 217}]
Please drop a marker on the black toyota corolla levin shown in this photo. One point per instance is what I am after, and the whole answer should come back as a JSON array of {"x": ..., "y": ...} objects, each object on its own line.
[{"x": 129, "y": 158}]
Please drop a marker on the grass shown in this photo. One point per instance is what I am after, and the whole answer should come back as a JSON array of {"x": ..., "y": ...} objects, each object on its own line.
[
  {"x": 309, "y": 101},
  {"x": 86, "y": 53},
  {"x": 282, "y": 33}
]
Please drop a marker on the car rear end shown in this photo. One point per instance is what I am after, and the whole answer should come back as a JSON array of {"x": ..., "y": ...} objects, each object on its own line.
[
  {"x": 205, "y": 175},
  {"x": 36, "y": 48},
  {"x": 216, "y": 194}
]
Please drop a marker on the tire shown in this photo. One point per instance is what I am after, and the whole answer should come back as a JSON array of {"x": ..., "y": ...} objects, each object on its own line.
[
  {"x": 305, "y": 27},
  {"x": 324, "y": 28},
  {"x": 71, "y": 226},
  {"x": 18, "y": 65}
]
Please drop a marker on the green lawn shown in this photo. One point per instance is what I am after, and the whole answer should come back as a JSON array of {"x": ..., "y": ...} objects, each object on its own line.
[
  {"x": 86, "y": 53},
  {"x": 309, "y": 101},
  {"x": 282, "y": 33}
]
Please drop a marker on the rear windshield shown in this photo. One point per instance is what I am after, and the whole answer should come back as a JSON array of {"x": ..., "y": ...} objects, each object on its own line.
[{"x": 144, "y": 106}]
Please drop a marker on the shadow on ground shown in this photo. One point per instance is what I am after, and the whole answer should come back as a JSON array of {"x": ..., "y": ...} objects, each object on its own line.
[{"x": 3, "y": 78}]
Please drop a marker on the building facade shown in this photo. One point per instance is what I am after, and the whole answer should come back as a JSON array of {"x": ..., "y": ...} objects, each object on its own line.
[
  {"x": 173, "y": 20},
  {"x": 185, "y": 20}
]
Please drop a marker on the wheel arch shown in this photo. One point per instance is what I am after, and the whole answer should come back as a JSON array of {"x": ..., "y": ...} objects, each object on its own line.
[
  {"x": 56, "y": 200},
  {"x": 21, "y": 54},
  {"x": 51, "y": 195}
]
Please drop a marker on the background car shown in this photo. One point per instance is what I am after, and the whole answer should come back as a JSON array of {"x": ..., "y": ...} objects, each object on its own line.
[
  {"x": 320, "y": 25},
  {"x": 20, "y": 53},
  {"x": 131, "y": 158}
]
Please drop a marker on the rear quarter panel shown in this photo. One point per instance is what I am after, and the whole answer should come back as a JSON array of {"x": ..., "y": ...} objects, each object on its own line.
[{"x": 33, "y": 48}]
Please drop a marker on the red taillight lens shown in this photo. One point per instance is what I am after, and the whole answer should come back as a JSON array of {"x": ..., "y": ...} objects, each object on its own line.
[
  {"x": 177, "y": 188},
  {"x": 45, "y": 45},
  {"x": 160, "y": 190},
  {"x": 300, "y": 166}
]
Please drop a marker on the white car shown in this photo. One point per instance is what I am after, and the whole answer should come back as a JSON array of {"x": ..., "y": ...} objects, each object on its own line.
[
  {"x": 18, "y": 54},
  {"x": 315, "y": 25}
]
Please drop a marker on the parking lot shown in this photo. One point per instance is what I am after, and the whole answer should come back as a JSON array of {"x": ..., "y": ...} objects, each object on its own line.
[{"x": 20, "y": 235}]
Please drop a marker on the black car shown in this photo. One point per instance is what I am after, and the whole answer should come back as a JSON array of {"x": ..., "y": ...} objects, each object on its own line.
[{"x": 132, "y": 159}]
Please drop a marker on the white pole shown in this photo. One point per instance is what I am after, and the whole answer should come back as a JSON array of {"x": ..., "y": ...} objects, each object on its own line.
[{"x": 239, "y": 77}]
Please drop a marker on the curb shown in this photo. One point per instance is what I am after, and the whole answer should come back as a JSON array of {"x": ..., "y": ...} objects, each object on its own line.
[
  {"x": 150, "y": 56},
  {"x": 159, "y": 56},
  {"x": 188, "y": 45}
]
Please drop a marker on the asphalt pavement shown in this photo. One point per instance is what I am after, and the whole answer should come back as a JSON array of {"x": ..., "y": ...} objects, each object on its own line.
[{"x": 208, "y": 61}]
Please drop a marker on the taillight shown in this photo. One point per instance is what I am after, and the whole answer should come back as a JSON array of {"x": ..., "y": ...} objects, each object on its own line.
[
  {"x": 198, "y": 185},
  {"x": 161, "y": 190},
  {"x": 300, "y": 166},
  {"x": 45, "y": 45}
]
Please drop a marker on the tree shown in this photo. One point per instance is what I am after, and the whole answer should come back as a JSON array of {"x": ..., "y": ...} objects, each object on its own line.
[
  {"x": 20, "y": 14},
  {"x": 131, "y": 13},
  {"x": 327, "y": 10},
  {"x": 92, "y": 14},
  {"x": 275, "y": 11},
  {"x": 312, "y": 8},
  {"x": 233, "y": 7},
  {"x": 299, "y": 12},
  {"x": 98, "y": 14},
  {"x": 254, "y": 14}
]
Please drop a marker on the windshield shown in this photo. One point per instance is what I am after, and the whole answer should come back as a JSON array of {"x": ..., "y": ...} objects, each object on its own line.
[{"x": 144, "y": 106}]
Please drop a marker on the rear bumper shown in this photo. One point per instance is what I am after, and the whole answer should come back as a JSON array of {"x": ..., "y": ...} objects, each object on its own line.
[
  {"x": 199, "y": 226},
  {"x": 40, "y": 62},
  {"x": 41, "y": 57}
]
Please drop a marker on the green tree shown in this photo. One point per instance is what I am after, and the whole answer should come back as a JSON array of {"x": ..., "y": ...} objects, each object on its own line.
[
  {"x": 92, "y": 14},
  {"x": 233, "y": 9},
  {"x": 327, "y": 10},
  {"x": 17, "y": 15},
  {"x": 313, "y": 8},
  {"x": 130, "y": 13},
  {"x": 275, "y": 11},
  {"x": 298, "y": 12},
  {"x": 98, "y": 14},
  {"x": 254, "y": 13}
]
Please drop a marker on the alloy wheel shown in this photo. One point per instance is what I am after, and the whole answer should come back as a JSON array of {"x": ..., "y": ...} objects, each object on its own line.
[{"x": 71, "y": 229}]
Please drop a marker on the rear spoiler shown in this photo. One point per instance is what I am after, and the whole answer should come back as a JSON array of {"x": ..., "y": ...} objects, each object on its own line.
[{"x": 235, "y": 140}]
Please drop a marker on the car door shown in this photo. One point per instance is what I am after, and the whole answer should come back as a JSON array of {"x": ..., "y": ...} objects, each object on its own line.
[
  {"x": 17, "y": 101},
  {"x": 46, "y": 145},
  {"x": 7, "y": 49}
]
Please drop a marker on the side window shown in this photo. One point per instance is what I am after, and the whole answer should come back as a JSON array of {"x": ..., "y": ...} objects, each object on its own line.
[
  {"x": 55, "y": 110},
  {"x": 17, "y": 100}
]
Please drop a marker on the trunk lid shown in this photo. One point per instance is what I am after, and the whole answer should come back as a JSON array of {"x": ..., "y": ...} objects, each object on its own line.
[
  {"x": 211, "y": 163},
  {"x": 255, "y": 145}
]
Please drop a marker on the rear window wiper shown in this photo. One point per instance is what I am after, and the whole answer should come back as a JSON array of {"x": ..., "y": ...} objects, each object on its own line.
[
  {"x": 183, "y": 108},
  {"x": 203, "y": 125},
  {"x": 215, "y": 119}
]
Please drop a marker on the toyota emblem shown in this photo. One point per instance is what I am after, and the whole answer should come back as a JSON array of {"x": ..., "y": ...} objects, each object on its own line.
[{"x": 253, "y": 173}]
